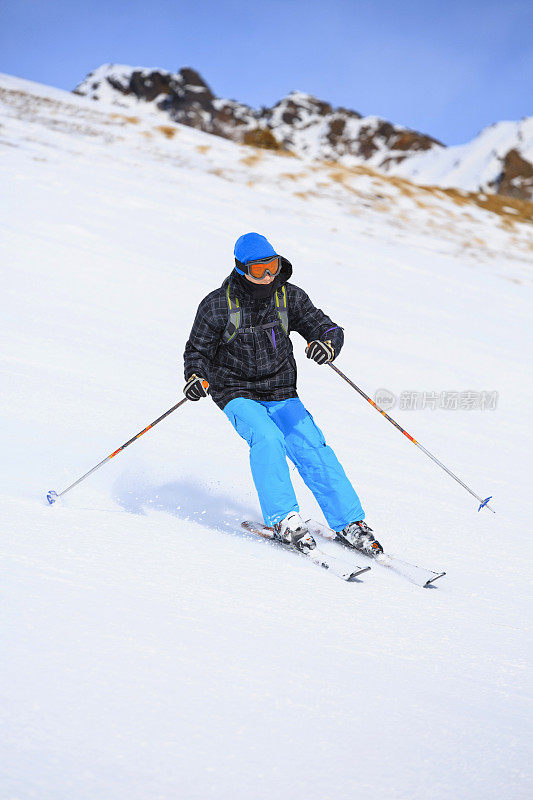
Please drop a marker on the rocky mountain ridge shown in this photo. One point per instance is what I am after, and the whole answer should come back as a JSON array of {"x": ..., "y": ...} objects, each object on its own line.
[
  {"x": 499, "y": 160},
  {"x": 298, "y": 123}
]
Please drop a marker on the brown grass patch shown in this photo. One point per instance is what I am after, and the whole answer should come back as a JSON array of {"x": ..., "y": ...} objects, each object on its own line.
[
  {"x": 509, "y": 208},
  {"x": 203, "y": 148},
  {"x": 167, "y": 130},
  {"x": 405, "y": 188},
  {"x": 132, "y": 120},
  {"x": 293, "y": 176},
  {"x": 261, "y": 137},
  {"x": 252, "y": 159},
  {"x": 337, "y": 176},
  {"x": 343, "y": 175}
]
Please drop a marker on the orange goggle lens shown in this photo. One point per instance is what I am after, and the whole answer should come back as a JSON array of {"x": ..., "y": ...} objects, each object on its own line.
[{"x": 258, "y": 269}]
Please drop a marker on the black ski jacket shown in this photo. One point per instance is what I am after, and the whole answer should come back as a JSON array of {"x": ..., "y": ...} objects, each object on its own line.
[{"x": 258, "y": 363}]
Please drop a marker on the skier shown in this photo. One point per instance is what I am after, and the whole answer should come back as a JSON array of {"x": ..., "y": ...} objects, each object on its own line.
[{"x": 240, "y": 352}]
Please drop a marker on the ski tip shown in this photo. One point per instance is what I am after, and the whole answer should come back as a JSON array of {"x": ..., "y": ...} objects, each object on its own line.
[
  {"x": 485, "y": 503},
  {"x": 52, "y": 496},
  {"x": 429, "y": 584}
]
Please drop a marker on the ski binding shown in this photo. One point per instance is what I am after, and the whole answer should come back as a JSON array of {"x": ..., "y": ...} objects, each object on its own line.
[{"x": 342, "y": 569}]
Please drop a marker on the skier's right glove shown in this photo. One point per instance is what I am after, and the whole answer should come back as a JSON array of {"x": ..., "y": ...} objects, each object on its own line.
[{"x": 196, "y": 388}]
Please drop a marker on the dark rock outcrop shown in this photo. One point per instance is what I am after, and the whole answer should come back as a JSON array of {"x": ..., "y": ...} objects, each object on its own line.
[{"x": 516, "y": 177}]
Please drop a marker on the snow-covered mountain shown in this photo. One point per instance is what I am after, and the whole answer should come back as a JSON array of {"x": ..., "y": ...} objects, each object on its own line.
[
  {"x": 150, "y": 647},
  {"x": 499, "y": 160}
]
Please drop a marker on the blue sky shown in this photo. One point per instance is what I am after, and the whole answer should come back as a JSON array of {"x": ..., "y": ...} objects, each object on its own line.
[{"x": 444, "y": 68}]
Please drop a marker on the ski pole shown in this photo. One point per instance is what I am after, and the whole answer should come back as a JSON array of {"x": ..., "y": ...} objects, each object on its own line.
[
  {"x": 53, "y": 496},
  {"x": 483, "y": 503}
]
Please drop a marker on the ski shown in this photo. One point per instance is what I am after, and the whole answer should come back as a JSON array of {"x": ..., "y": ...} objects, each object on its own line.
[
  {"x": 339, "y": 567},
  {"x": 418, "y": 575}
]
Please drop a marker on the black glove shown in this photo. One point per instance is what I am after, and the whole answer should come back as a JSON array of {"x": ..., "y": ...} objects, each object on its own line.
[
  {"x": 196, "y": 388},
  {"x": 321, "y": 352}
]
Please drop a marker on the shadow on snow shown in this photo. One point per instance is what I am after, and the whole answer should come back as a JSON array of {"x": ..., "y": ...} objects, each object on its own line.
[{"x": 187, "y": 500}]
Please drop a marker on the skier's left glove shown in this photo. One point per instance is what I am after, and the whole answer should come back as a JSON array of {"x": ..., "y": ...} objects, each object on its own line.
[{"x": 321, "y": 352}]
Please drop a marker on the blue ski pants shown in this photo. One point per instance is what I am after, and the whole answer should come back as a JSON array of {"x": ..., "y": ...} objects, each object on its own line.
[{"x": 277, "y": 429}]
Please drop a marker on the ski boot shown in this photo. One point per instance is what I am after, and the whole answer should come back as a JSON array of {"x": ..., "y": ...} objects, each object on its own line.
[
  {"x": 359, "y": 536},
  {"x": 293, "y": 530}
]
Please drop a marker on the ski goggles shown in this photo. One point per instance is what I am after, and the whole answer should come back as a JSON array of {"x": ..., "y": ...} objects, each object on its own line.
[{"x": 259, "y": 267}]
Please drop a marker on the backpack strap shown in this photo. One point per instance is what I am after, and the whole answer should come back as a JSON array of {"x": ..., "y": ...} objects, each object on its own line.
[
  {"x": 281, "y": 306},
  {"x": 234, "y": 318},
  {"x": 234, "y": 315}
]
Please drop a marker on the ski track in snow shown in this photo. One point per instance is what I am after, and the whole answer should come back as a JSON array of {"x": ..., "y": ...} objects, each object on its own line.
[{"x": 150, "y": 647}]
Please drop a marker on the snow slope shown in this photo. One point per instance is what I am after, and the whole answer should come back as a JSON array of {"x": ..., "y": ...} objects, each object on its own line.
[{"x": 150, "y": 648}]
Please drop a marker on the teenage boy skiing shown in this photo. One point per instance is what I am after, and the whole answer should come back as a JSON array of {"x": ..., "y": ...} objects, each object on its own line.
[{"x": 240, "y": 352}]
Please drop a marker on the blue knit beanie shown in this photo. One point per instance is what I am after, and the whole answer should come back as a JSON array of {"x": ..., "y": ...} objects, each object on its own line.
[{"x": 250, "y": 246}]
